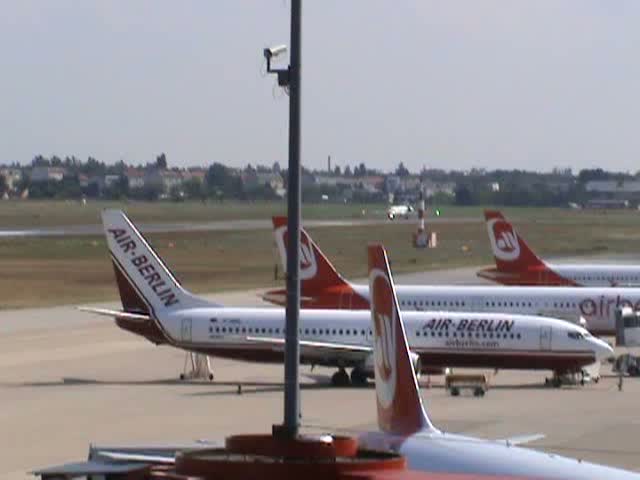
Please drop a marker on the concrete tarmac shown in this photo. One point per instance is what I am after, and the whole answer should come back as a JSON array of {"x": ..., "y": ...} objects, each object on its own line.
[{"x": 68, "y": 378}]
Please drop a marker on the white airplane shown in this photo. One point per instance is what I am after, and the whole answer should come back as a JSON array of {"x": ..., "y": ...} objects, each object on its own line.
[
  {"x": 323, "y": 287},
  {"x": 406, "y": 428},
  {"x": 157, "y": 307},
  {"x": 404, "y": 425},
  {"x": 517, "y": 264},
  {"x": 399, "y": 211}
]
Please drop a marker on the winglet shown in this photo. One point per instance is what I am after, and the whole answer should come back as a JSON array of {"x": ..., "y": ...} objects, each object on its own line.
[{"x": 400, "y": 408}]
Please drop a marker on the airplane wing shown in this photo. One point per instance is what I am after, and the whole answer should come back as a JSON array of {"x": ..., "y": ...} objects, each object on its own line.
[
  {"x": 356, "y": 352},
  {"x": 115, "y": 314},
  {"x": 138, "y": 457},
  {"x": 522, "y": 439}
]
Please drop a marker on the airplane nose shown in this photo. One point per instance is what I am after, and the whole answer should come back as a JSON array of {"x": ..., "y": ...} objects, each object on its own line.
[{"x": 603, "y": 349}]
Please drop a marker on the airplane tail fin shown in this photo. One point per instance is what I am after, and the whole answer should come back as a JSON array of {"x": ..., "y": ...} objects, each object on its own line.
[
  {"x": 400, "y": 408},
  {"x": 316, "y": 271},
  {"x": 145, "y": 284},
  {"x": 510, "y": 251}
]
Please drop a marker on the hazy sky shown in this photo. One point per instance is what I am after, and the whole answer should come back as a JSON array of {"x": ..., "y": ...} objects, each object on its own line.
[{"x": 453, "y": 84}]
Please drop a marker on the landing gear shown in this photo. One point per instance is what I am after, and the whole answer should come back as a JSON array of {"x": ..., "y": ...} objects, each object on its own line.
[
  {"x": 358, "y": 377},
  {"x": 340, "y": 378},
  {"x": 555, "y": 381},
  {"x": 196, "y": 366}
]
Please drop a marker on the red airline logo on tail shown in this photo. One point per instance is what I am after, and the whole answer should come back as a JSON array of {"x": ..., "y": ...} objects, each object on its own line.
[
  {"x": 504, "y": 240},
  {"x": 308, "y": 263},
  {"x": 384, "y": 320},
  {"x": 400, "y": 408}
]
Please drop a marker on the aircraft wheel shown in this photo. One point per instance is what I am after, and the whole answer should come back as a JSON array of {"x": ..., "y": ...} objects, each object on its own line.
[
  {"x": 358, "y": 377},
  {"x": 557, "y": 382},
  {"x": 455, "y": 391},
  {"x": 182, "y": 376},
  {"x": 340, "y": 378},
  {"x": 211, "y": 377},
  {"x": 478, "y": 392}
]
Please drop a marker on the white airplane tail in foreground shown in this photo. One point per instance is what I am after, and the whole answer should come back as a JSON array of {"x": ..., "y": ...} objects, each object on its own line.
[
  {"x": 400, "y": 409},
  {"x": 405, "y": 425}
]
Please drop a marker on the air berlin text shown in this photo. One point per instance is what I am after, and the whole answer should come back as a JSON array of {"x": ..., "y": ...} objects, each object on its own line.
[
  {"x": 145, "y": 269},
  {"x": 473, "y": 325}
]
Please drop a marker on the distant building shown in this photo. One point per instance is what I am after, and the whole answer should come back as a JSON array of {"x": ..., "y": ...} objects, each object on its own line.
[
  {"x": 199, "y": 174},
  {"x": 83, "y": 180},
  {"x": 164, "y": 179},
  {"x": 253, "y": 179},
  {"x": 47, "y": 174},
  {"x": 110, "y": 180},
  {"x": 431, "y": 188},
  {"x": 614, "y": 188},
  {"x": 135, "y": 177},
  {"x": 604, "y": 203},
  {"x": 12, "y": 177}
]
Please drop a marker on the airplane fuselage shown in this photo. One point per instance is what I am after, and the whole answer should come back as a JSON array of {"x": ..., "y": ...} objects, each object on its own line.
[
  {"x": 448, "y": 452},
  {"x": 567, "y": 275},
  {"x": 441, "y": 339},
  {"x": 597, "y": 306}
]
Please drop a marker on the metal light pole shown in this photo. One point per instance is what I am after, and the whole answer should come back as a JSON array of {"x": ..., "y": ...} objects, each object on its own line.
[
  {"x": 292, "y": 346},
  {"x": 290, "y": 78}
]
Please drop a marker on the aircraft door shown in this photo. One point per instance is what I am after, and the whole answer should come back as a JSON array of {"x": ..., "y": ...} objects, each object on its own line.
[
  {"x": 545, "y": 338},
  {"x": 478, "y": 304},
  {"x": 185, "y": 330}
]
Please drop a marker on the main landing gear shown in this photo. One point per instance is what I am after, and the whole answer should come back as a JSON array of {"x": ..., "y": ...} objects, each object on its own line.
[
  {"x": 341, "y": 378},
  {"x": 570, "y": 378},
  {"x": 196, "y": 366}
]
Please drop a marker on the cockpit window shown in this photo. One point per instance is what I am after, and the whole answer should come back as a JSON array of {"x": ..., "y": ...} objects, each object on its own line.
[{"x": 575, "y": 335}]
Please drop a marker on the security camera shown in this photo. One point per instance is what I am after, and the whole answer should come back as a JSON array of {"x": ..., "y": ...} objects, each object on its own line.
[{"x": 272, "y": 52}]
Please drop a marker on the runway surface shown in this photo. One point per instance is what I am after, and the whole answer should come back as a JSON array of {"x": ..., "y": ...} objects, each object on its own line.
[
  {"x": 68, "y": 379},
  {"x": 223, "y": 225}
]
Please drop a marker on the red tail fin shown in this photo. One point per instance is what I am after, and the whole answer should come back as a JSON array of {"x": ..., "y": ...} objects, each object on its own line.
[
  {"x": 510, "y": 251},
  {"x": 400, "y": 409},
  {"x": 316, "y": 272}
]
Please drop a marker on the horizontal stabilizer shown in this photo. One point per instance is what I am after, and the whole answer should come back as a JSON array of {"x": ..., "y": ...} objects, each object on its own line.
[
  {"x": 522, "y": 439},
  {"x": 115, "y": 314},
  {"x": 138, "y": 457}
]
